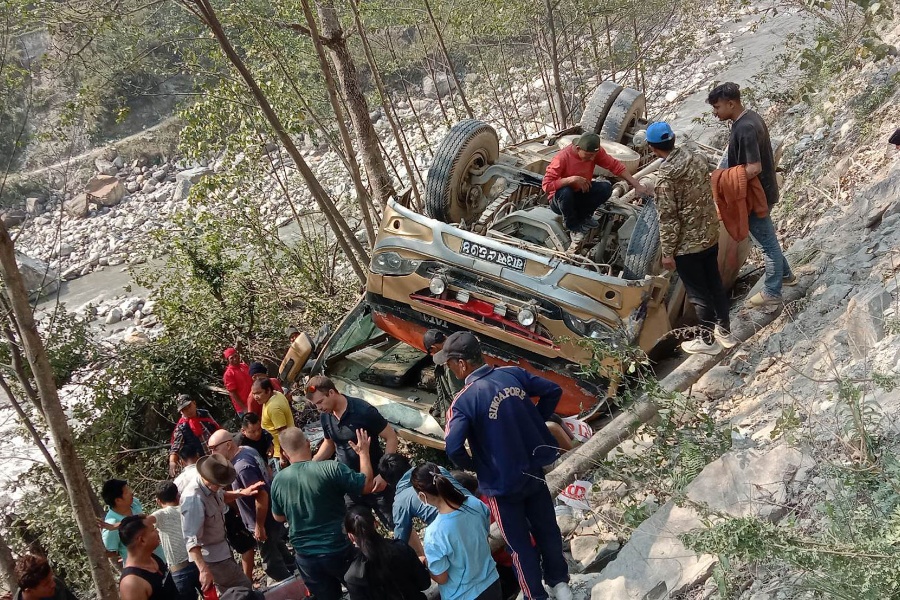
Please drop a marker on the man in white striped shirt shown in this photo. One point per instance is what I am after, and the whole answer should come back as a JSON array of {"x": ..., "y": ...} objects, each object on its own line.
[{"x": 171, "y": 538}]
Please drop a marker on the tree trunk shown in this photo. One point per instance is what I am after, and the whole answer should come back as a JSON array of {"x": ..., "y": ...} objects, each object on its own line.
[
  {"x": 446, "y": 55},
  {"x": 77, "y": 484},
  {"x": 8, "y": 564},
  {"x": 344, "y": 235},
  {"x": 609, "y": 50},
  {"x": 390, "y": 46},
  {"x": 558, "y": 91},
  {"x": 32, "y": 430},
  {"x": 548, "y": 92},
  {"x": 500, "y": 105},
  {"x": 379, "y": 178},
  {"x": 431, "y": 70},
  {"x": 386, "y": 104},
  {"x": 361, "y": 194}
]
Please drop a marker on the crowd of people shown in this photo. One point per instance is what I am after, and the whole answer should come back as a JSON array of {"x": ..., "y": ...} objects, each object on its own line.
[{"x": 265, "y": 490}]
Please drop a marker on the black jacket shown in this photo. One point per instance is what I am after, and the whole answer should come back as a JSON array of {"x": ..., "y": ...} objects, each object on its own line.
[{"x": 402, "y": 576}]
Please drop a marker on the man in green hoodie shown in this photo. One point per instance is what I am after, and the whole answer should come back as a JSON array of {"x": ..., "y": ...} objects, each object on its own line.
[{"x": 689, "y": 236}]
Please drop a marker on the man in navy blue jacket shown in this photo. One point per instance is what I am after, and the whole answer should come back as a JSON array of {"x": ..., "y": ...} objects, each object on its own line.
[{"x": 510, "y": 446}]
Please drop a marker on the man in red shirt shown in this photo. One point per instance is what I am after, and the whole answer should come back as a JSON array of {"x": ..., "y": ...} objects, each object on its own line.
[
  {"x": 237, "y": 380},
  {"x": 569, "y": 186}
]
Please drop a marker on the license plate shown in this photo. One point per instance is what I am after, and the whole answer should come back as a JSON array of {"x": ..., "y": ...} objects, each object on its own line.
[{"x": 498, "y": 257}]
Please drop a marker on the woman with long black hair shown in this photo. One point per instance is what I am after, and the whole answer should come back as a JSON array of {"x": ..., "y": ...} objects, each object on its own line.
[
  {"x": 456, "y": 542},
  {"x": 383, "y": 569}
]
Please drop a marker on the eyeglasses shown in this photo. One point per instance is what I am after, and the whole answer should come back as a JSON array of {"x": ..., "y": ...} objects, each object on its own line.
[{"x": 214, "y": 446}]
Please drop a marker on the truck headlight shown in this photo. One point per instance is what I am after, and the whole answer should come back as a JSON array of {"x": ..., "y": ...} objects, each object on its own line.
[
  {"x": 526, "y": 317},
  {"x": 391, "y": 263},
  {"x": 437, "y": 286}
]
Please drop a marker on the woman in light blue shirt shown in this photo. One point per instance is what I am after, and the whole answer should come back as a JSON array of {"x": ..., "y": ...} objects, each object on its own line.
[{"x": 456, "y": 542}]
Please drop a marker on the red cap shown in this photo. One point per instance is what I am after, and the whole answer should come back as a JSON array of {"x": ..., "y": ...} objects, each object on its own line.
[{"x": 229, "y": 352}]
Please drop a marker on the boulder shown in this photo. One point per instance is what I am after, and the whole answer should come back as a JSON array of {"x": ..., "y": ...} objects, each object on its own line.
[
  {"x": 593, "y": 553},
  {"x": 119, "y": 162},
  {"x": 39, "y": 278},
  {"x": 439, "y": 86},
  {"x": 136, "y": 337},
  {"x": 718, "y": 382},
  {"x": 655, "y": 564},
  {"x": 105, "y": 190},
  {"x": 114, "y": 316},
  {"x": 64, "y": 250},
  {"x": 34, "y": 205},
  {"x": 77, "y": 207},
  {"x": 105, "y": 167},
  {"x": 13, "y": 217},
  {"x": 185, "y": 179},
  {"x": 865, "y": 319}
]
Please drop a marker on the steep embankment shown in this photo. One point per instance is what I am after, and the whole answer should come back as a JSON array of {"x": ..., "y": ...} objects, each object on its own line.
[{"x": 811, "y": 400}]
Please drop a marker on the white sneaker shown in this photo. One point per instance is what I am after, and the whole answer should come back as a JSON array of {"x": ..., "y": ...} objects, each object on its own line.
[
  {"x": 562, "y": 591},
  {"x": 725, "y": 338},
  {"x": 698, "y": 346}
]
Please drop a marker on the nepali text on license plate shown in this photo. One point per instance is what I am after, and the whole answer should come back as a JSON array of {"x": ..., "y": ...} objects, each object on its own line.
[{"x": 497, "y": 257}]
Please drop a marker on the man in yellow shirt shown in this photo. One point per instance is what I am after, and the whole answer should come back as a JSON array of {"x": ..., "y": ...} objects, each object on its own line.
[{"x": 276, "y": 411}]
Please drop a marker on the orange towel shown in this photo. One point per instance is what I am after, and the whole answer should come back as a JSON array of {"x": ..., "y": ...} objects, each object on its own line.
[{"x": 736, "y": 198}]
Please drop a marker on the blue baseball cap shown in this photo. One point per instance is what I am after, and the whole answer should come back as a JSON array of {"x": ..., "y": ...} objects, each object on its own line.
[{"x": 659, "y": 132}]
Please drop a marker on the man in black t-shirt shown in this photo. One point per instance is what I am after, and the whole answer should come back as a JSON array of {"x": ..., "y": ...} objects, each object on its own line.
[
  {"x": 341, "y": 416},
  {"x": 750, "y": 145},
  {"x": 254, "y": 436}
]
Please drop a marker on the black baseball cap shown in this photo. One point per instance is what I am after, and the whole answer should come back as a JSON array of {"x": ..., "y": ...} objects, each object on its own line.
[
  {"x": 432, "y": 337},
  {"x": 183, "y": 401},
  {"x": 462, "y": 344}
]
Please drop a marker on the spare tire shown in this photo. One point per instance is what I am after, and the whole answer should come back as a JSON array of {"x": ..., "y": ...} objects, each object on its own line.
[
  {"x": 629, "y": 106},
  {"x": 470, "y": 144},
  {"x": 644, "y": 243},
  {"x": 598, "y": 106}
]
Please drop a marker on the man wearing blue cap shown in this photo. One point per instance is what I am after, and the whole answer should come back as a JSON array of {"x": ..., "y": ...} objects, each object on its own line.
[{"x": 689, "y": 236}]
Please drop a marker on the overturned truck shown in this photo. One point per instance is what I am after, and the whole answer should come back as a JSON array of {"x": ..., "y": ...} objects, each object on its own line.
[{"x": 489, "y": 256}]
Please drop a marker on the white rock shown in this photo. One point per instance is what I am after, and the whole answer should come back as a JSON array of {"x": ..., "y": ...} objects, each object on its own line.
[
  {"x": 105, "y": 167},
  {"x": 114, "y": 316}
]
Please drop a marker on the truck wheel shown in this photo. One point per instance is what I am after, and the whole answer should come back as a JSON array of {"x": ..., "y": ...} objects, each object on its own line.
[
  {"x": 644, "y": 243},
  {"x": 449, "y": 197},
  {"x": 598, "y": 106},
  {"x": 629, "y": 106}
]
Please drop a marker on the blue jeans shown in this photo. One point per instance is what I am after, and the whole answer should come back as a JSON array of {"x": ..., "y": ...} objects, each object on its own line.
[
  {"x": 577, "y": 207},
  {"x": 187, "y": 580},
  {"x": 762, "y": 230},
  {"x": 324, "y": 573}
]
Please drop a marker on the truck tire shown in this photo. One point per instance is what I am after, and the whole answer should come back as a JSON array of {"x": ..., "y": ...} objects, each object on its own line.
[
  {"x": 598, "y": 106},
  {"x": 469, "y": 144},
  {"x": 629, "y": 106},
  {"x": 644, "y": 243}
]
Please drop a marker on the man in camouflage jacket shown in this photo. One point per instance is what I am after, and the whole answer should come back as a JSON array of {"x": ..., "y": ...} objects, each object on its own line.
[{"x": 689, "y": 234}]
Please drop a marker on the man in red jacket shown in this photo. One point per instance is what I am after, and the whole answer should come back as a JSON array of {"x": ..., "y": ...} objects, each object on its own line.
[
  {"x": 237, "y": 380},
  {"x": 569, "y": 186}
]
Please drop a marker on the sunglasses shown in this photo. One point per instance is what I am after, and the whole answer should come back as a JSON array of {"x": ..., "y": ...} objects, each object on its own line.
[{"x": 214, "y": 446}]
